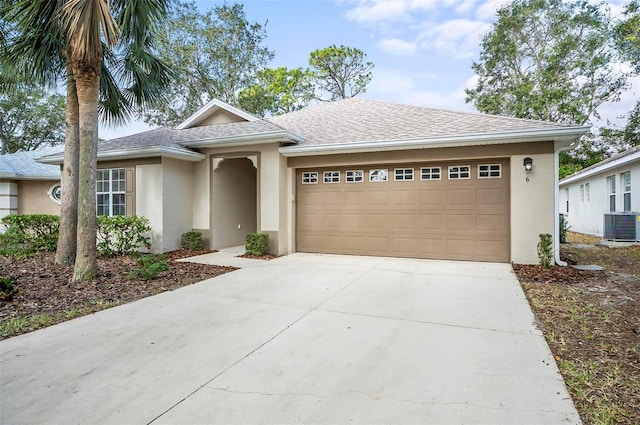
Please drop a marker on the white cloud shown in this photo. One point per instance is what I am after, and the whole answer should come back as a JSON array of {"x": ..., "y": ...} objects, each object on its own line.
[
  {"x": 132, "y": 127},
  {"x": 379, "y": 11},
  {"x": 396, "y": 46},
  {"x": 487, "y": 11},
  {"x": 459, "y": 38},
  {"x": 387, "y": 81}
]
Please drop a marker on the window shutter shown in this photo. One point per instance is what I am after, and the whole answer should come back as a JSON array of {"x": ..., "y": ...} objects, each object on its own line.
[{"x": 130, "y": 191}]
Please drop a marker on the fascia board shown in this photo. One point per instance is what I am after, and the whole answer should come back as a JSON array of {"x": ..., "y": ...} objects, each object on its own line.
[
  {"x": 562, "y": 135},
  {"x": 266, "y": 137},
  {"x": 215, "y": 103},
  {"x": 601, "y": 168},
  {"x": 163, "y": 151}
]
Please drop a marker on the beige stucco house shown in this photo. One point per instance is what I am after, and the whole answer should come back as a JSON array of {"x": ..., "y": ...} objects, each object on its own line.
[{"x": 351, "y": 177}]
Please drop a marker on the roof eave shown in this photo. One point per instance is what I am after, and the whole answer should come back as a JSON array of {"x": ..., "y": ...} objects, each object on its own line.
[
  {"x": 142, "y": 152},
  {"x": 245, "y": 139},
  {"x": 19, "y": 176},
  {"x": 620, "y": 162},
  {"x": 199, "y": 115},
  {"x": 563, "y": 136}
]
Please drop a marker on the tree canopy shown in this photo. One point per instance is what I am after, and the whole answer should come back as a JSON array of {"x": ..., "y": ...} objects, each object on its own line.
[
  {"x": 277, "y": 91},
  {"x": 31, "y": 118},
  {"x": 550, "y": 60},
  {"x": 216, "y": 54},
  {"x": 340, "y": 72}
]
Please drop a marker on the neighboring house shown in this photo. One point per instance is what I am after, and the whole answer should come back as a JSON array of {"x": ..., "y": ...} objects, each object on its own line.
[
  {"x": 354, "y": 176},
  {"x": 27, "y": 186},
  {"x": 612, "y": 185}
]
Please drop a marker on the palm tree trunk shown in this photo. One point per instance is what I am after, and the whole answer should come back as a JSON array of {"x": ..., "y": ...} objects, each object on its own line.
[
  {"x": 66, "y": 252},
  {"x": 87, "y": 79}
]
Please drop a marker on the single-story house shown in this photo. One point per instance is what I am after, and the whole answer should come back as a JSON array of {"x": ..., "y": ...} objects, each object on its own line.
[
  {"x": 612, "y": 185},
  {"x": 353, "y": 176},
  {"x": 27, "y": 186}
]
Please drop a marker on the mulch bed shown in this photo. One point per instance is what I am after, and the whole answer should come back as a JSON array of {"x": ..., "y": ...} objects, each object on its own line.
[{"x": 46, "y": 289}]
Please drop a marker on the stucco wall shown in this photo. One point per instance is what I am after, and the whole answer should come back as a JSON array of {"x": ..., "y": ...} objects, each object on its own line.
[
  {"x": 149, "y": 200},
  {"x": 585, "y": 215},
  {"x": 177, "y": 209},
  {"x": 532, "y": 205},
  {"x": 33, "y": 197},
  {"x": 201, "y": 194}
]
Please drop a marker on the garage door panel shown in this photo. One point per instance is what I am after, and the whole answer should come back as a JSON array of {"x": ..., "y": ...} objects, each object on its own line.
[{"x": 464, "y": 219}]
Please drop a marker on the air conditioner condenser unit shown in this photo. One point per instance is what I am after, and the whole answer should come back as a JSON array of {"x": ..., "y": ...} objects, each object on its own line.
[{"x": 622, "y": 226}]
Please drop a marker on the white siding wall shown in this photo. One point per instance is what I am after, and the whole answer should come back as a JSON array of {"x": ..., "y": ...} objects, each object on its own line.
[
  {"x": 532, "y": 204},
  {"x": 586, "y": 215}
]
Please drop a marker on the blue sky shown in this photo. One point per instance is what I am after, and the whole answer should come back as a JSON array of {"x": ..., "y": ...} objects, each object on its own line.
[{"x": 422, "y": 49}]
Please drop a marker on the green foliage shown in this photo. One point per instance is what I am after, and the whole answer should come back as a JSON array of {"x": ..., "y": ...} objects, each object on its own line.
[
  {"x": 627, "y": 34},
  {"x": 549, "y": 60},
  {"x": 31, "y": 118},
  {"x": 277, "y": 91},
  {"x": 256, "y": 243},
  {"x": 545, "y": 250},
  {"x": 217, "y": 53},
  {"x": 150, "y": 266},
  {"x": 27, "y": 233},
  {"x": 341, "y": 72},
  {"x": 564, "y": 226},
  {"x": 8, "y": 288},
  {"x": 192, "y": 241},
  {"x": 122, "y": 235}
]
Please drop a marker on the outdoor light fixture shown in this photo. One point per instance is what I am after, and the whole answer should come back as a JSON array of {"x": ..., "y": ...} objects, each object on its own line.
[{"x": 528, "y": 164}]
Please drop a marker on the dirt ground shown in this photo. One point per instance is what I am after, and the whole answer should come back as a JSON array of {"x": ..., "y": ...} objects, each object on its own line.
[
  {"x": 46, "y": 296},
  {"x": 592, "y": 323}
]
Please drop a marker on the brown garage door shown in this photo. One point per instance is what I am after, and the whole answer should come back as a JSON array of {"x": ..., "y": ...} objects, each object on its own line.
[{"x": 451, "y": 210}]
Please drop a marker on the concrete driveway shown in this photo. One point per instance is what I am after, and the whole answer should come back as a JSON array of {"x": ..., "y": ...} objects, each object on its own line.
[{"x": 301, "y": 339}]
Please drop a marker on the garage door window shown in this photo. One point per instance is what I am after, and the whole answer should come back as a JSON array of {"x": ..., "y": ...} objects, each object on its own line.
[
  {"x": 430, "y": 173},
  {"x": 331, "y": 177},
  {"x": 310, "y": 178},
  {"x": 354, "y": 176},
  {"x": 378, "y": 175},
  {"x": 403, "y": 174},
  {"x": 492, "y": 171},
  {"x": 459, "y": 172}
]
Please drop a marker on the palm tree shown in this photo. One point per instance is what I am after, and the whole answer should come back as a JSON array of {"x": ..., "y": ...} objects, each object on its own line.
[{"x": 42, "y": 51}]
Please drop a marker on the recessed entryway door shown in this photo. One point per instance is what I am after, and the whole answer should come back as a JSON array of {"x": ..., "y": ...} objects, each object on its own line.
[{"x": 456, "y": 210}]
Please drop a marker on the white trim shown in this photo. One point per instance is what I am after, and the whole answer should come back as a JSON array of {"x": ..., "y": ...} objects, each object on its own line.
[
  {"x": 133, "y": 153},
  {"x": 308, "y": 175},
  {"x": 277, "y": 136},
  {"x": 597, "y": 169},
  {"x": 203, "y": 112},
  {"x": 459, "y": 172},
  {"x": 346, "y": 176},
  {"x": 489, "y": 171},
  {"x": 562, "y": 135},
  {"x": 331, "y": 176},
  {"x": 431, "y": 173},
  {"x": 403, "y": 174},
  {"x": 381, "y": 175},
  {"x": 50, "y": 193}
]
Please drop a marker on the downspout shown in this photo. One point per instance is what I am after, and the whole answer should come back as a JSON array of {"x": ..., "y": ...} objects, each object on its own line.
[{"x": 556, "y": 192}]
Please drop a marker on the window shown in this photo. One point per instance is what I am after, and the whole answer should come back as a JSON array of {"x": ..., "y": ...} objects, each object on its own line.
[
  {"x": 55, "y": 193},
  {"x": 354, "y": 176},
  {"x": 587, "y": 197},
  {"x": 626, "y": 190},
  {"x": 611, "y": 185},
  {"x": 403, "y": 174},
  {"x": 430, "y": 173},
  {"x": 492, "y": 171},
  {"x": 566, "y": 197},
  {"x": 378, "y": 175},
  {"x": 459, "y": 172},
  {"x": 310, "y": 177},
  {"x": 581, "y": 193},
  {"x": 331, "y": 177},
  {"x": 110, "y": 192}
]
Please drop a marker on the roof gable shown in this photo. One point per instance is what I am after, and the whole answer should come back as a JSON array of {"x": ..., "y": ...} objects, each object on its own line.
[
  {"x": 623, "y": 158},
  {"x": 216, "y": 112}
]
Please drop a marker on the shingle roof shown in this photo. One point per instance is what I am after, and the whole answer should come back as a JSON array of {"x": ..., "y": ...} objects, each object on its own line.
[
  {"x": 361, "y": 120},
  {"x": 219, "y": 131},
  {"x": 23, "y": 165}
]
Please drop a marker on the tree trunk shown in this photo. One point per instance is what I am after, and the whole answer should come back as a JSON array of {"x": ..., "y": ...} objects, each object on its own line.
[
  {"x": 87, "y": 79},
  {"x": 66, "y": 252}
]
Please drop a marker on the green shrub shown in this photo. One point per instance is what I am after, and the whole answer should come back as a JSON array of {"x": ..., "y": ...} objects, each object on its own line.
[
  {"x": 8, "y": 288},
  {"x": 192, "y": 241},
  {"x": 150, "y": 266},
  {"x": 545, "y": 250},
  {"x": 27, "y": 233},
  {"x": 257, "y": 243},
  {"x": 122, "y": 235},
  {"x": 564, "y": 226}
]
